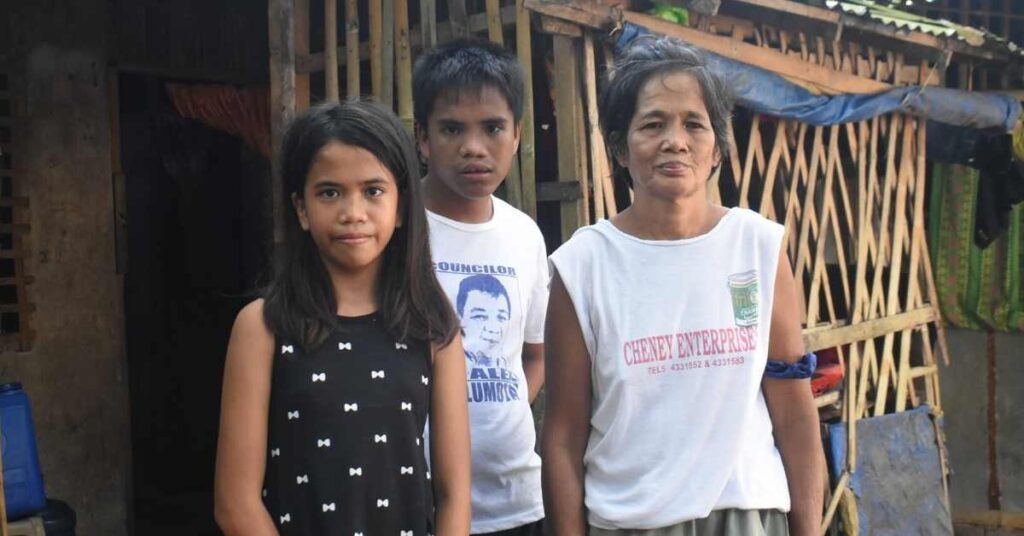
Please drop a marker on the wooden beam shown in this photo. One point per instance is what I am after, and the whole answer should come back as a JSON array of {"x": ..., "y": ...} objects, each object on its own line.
[
  {"x": 331, "y": 90},
  {"x": 302, "y": 89},
  {"x": 457, "y": 17},
  {"x": 374, "y": 51},
  {"x": 428, "y": 21},
  {"x": 820, "y": 338},
  {"x": 387, "y": 54},
  {"x": 527, "y": 140},
  {"x": 494, "y": 26},
  {"x": 404, "y": 63},
  {"x": 566, "y": 95},
  {"x": 353, "y": 84},
  {"x": 551, "y": 25},
  {"x": 281, "y": 25}
]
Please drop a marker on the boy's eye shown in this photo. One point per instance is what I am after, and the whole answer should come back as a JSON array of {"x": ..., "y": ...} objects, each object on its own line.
[
  {"x": 450, "y": 129},
  {"x": 494, "y": 129}
]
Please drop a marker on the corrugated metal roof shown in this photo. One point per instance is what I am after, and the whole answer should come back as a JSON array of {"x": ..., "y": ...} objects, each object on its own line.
[{"x": 902, "y": 20}]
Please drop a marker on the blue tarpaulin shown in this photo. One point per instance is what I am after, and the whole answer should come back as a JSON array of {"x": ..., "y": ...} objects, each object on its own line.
[{"x": 768, "y": 93}]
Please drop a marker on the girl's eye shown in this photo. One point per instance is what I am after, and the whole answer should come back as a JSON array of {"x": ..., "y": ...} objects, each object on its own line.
[
  {"x": 329, "y": 194},
  {"x": 375, "y": 191}
]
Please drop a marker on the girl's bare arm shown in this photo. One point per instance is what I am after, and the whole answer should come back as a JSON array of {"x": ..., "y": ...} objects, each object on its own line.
[{"x": 449, "y": 441}]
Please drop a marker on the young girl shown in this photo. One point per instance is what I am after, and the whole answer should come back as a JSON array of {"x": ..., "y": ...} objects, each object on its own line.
[{"x": 331, "y": 376}]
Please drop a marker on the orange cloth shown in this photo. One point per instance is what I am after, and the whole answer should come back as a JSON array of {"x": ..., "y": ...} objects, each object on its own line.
[{"x": 242, "y": 112}]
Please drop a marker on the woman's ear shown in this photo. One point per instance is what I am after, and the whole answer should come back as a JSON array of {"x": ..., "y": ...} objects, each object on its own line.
[{"x": 300, "y": 210}]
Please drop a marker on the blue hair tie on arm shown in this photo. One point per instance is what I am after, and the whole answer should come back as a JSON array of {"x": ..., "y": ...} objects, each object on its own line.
[{"x": 799, "y": 370}]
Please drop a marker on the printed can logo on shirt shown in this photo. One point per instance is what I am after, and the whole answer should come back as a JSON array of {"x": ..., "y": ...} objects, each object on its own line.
[{"x": 743, "y": 288}]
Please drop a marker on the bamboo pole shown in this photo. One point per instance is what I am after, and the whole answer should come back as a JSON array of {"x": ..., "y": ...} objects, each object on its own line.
[
  {"x": 301, "y": 30},
  {"x": 458, "y": 18},
  {"x": 376, "y": 37},
  {"x": 428, "y": 23},
  {"x": 404, "y": 63},
  {"x": 527, "y": 148},
  {"x": 387, "y": 50},
  {"x": 598, "y": 158},
  {"x": 494, "y": 28},
  {"x": 331, "y": 90},
  {"x": 353, "y": 85}
]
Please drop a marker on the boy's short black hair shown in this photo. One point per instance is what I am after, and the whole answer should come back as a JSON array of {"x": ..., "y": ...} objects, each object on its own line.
[{"x": 466, "y": 65}]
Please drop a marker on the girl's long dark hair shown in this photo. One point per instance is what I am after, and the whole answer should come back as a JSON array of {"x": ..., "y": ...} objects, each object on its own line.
[{"x": 300, "y": 301}]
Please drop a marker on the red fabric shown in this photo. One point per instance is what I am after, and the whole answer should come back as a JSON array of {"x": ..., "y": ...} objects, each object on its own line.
[{"x": 242, "y": 112}]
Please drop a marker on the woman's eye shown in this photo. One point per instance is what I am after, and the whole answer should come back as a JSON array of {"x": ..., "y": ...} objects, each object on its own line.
[
  {"x": 695, "y": 125},
  {"x": 651, "y": 126}
]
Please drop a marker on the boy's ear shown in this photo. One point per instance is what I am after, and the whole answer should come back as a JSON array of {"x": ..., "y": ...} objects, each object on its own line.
[
  {"x": 518, "y": 134},
  {"x": 421, "y": 142},
  {"x": 300, "y": 210}
]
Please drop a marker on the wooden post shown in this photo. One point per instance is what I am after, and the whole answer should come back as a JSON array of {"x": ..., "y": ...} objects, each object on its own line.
[
  {"x": 281, "y": 24},
  {"x": 428, "y": 23},
  {"x": 494, "y": 28},
  {"x": 404, "y": 64},
  {"x": 598, "y": 158},
  {"x": 376, "y": 38},
  {"x": 331, "y": 91},
  {"x": 566, "y": 94},
  {"x": 458, "y": 19},
  {"x": 527, "y": 149},
  {"x": 387, "y": 51},
  {"x": 301, "y": 29},
  {"x": 353, "y": 87}
]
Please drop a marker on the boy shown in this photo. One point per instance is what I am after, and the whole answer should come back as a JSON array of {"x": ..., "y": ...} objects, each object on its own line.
[{"x": 491, "y": 260}]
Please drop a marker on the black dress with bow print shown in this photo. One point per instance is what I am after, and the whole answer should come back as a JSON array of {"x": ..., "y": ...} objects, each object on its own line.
[{"x": 345, "y": 449}]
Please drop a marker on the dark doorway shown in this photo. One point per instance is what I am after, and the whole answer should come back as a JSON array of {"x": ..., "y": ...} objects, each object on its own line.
[{"x": 197, "y": 228}]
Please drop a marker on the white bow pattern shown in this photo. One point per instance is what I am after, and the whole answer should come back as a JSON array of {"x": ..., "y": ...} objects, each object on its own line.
[
  {"x": 293, "y": 415},
  {"x": 425, "y": 380},
  {"x": 275, "y": 453},
  {"x": 351, "y": 407},
  {"x": 304, "y": 479},
  {"x": 344, "y": 346},
  {"x": 400, "y": 346},
  {"x": 353, "y": 471},
  {"x": 407, "y": 406},
  {"x": 380, "y": 438},
  {"x": 417, "y": 441},
  {"x": 322, "y": 377},
  {"x": 323, "y": 443},
  {"x": 406, "y": 470},
  {"x": 286, "y": 518},
  {"x": 376, "y": 374},
  {"x": 287, "y": 349},
  {"x": 329, "y": 507},
  {"x": 382, "y": 503},
  {"x": 406, "y": 533}
]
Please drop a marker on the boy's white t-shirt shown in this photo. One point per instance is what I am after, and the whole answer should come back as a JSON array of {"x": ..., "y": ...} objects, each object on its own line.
[
  {"x": 496, "y": 276},
  {"x": 677, "y": 332}
]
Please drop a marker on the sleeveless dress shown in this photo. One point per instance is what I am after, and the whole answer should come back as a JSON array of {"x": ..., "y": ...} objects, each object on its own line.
[{"x": 345, "y": 435}]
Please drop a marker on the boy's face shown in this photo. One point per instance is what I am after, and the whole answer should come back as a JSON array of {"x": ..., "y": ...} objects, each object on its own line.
[{"x": 469, "y": 141}]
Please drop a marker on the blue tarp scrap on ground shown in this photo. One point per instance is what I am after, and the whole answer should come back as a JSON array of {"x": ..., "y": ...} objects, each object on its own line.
[
  {"x": 898, "y": 479},
  {"x": 768, "y": 93}
]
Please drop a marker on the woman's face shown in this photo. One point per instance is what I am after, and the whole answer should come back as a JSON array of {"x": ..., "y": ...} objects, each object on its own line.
[{"x": 670, "y": 145}]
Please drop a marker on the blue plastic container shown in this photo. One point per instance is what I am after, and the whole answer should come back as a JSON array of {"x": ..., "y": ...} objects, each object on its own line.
[{"x": 23, "y": 481}]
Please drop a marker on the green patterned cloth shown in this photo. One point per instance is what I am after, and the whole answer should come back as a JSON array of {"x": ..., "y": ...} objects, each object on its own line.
[{"x": 978, "y": 289}]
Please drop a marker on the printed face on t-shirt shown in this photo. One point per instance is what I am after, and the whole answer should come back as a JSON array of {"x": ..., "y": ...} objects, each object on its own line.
[{"x": 485, "y": 318}]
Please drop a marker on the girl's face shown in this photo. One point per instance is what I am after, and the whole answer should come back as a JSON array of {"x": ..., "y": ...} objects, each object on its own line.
[
  {"x": 349, "y": 206},
  {"x": 670, "y": 144}
]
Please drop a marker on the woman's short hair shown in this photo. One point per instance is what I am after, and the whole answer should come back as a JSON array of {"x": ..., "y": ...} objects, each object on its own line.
[{"x": 649, "y": 56}]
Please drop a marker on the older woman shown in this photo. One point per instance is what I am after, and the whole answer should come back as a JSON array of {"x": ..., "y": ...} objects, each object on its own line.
[{"x": 660, "y": 419}]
